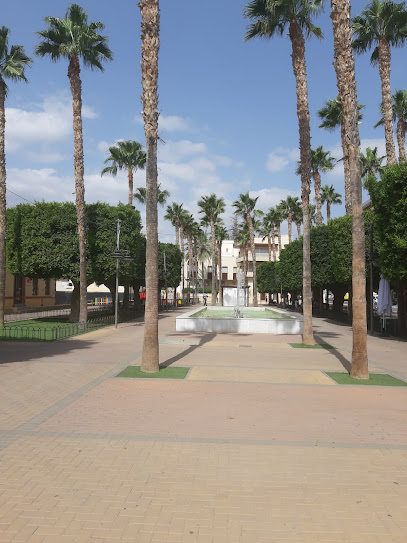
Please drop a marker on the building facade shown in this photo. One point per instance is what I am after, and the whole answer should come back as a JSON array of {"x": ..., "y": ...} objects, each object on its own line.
[{"x": 24, "y": 291}]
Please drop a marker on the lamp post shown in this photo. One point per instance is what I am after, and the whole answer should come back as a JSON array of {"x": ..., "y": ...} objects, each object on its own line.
[{"x": 119, "y": 254}]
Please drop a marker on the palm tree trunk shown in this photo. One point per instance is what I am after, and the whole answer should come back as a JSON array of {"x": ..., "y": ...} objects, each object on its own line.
[
  {"x": 401, "y": 138},
  {"x": 299, "y": 230},
  {"x": 317, "y": 187},
  {"x": 150, "y": 25},
  {"x": 2, "y": 202},
  {"x": 279, "y": 237},
  {"x": 253, "y": 250},
  {"x": 384, "y": 71},
  {"x": 190, "y": 264},
  {"x": 345, "y": 73},
  {"x": 130, "y": 187},
  {"x": 76, "y": 90},
  {"x": 346, "y": 171},
  {"x": 328, "y": 211},
  {"x": 220, "y": 272},
  {"x": 213, "y": 243},
  {"x": 177, "y": 232},
  {"x": 273, "y": 237},
  {"x": 300, "y": 73},
  {"x": 269, "y": 246},
  {"x": 290, "y": 227}
]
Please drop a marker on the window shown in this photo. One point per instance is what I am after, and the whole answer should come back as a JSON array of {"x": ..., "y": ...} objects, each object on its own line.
[
  {"x": 47, "y": 287},
  {"x": 224, "y": 273},
  {"x": 35, "y": 287},
  {"x": 209, "y": 272},
  {"x": 234, "y": 274}
]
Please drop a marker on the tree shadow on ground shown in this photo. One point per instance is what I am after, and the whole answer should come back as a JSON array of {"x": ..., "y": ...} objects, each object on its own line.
[
  {"x": 321, "y": 338},
  {"x": 204, "y": 339}
]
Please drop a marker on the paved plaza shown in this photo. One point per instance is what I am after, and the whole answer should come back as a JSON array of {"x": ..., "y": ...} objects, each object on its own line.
[{"x": 257, "y": 444}]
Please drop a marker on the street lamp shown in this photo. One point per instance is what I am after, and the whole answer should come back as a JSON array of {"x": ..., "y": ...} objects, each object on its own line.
[{"x": 119, "y": 254}]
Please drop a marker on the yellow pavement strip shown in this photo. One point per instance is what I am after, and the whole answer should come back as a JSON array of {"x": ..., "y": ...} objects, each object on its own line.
[{"x": 259, "y": 375}]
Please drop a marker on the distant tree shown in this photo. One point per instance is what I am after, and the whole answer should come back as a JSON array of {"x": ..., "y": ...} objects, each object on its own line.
[
  {"x": 399, "y": 100},
  {"x": 73, "y": 38},
  {"x": 128, "y": 156},
  {"x": 174, "y": 214},
  {"x": 371, "y": 163},
  {"x": 173, "y": 262},
  {"x": 382, "y": 25},
  {"x": 290, "y": 205},
  {"x": 221, "y": 234},
  {"x": 329, "y": 197},
  {"x": 162, "y": 195},
  {"x": 13, "y": 62}
]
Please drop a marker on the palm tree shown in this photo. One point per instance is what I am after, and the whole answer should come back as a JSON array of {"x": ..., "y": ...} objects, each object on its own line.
[
  {"x": 331, "y": 116},
  {"x": 162, "y": 195},
  {"x": 272, "y": 218},
  {"x": 399, "y": 107},
  {"x": 188, "y": 225},
  {"x": 126, "y": 155},
  {"x": 211, "y": 207},
  {"x": 346, "y": 81},
  {"x": 313, "y": 214},
  {"x": 150, "y": 44},
  {"x": 371, "y": 163},
  {"x": 13, "y": 62},
  {"x": 265, "y": 232},
  {"x": 73, "y": 38},
  {"x": 382, "y": 25},
  {"x": 174, "y": 214},
  {"x": 280, "y": 216},
  {"x": 321, "y": 161},
  {"x": 271, "y": 17},
  {"x": 245, "y": 206},
  {"x": 220, "y": 233},
  {"x": 184, "y": 221},
  {"x": 203, "y": 253},
  {"x": 243, "y": 241},
  {"x": 330, "y": 196},
  {"x": 289, "y": 205},
  {"x": 297, "y": 218}
]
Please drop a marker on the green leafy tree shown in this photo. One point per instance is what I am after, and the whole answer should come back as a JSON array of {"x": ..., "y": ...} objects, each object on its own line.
[
  {"x": 13, "y": 62},
  {"x": 389, "y": 198},
  {"x": 329, "y": 196},
  {"x": 382, "y": 25},
  {"x": 72, "y": 38},
  {"x": 211, "y": 208},
  {"x": 271, "y": 18},
  {"x": 267, "y": 277},
  {"x": 128, "y": 156}
]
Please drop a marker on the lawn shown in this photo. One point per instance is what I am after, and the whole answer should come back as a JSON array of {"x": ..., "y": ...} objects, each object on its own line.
[
  {"x": 316, "y": 346},
  {"x": 375, "y": 379},
  {"x": 164, "y": 373},
  {"x": 44, "y": 329}
]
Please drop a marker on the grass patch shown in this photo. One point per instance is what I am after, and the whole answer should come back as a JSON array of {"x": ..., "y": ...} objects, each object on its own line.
[
  {"x": 165, "y": 373},
  {"x": 48, "y": 329},
  {"x": 377, "y": 379},
  {"x": 316, "y": 346}
]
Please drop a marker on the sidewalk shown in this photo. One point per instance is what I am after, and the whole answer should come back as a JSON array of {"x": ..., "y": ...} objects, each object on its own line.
[{"x": 257, "y": 444}]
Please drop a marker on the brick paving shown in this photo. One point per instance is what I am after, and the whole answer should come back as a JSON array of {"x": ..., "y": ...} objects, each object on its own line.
[{"x": 276, "y": 453}]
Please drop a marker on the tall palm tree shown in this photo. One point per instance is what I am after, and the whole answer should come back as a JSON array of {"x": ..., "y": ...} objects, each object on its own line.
[
  {"x": 245, "y": 207},
  {"x": 126, "y": 155},
  {"x": 313, "y": 214},
  {"x": 289, "y": 205},
  {"x": 280, "y": 217},
  {"x": 382, "y": 25},
  {"x": 399, "y": 100},
  {"x": 371, "y": 163},
  {"x": 346, "y": 81},
  {"x": 221, "y": 234},
  {"x": 13, "y": 62},
  {"x": 162, "y": 195},
  {"x": 331, "y": 116},
  {"x": 265, "y": 232},
  {"x": 73, "y": 38},
  {"x": 329, "y": 197},
  {"x": 211, "y": 207},
  {"x": 243, "y": 241},
  {"x": 272, "y": 219},
  {"x": 321, "y": 161},
  {"x": 188, "y": 225},
  {"x": 150, "y": 44},
  {"x": 184, "y": 221},
  {"x": 174, "y": 214},
  {"x": 271, "y": 17},
  {"x": 203, "y": 253},
  {"x": 297, "y": 218}
]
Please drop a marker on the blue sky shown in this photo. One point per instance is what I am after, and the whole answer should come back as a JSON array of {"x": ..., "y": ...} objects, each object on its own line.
[{"x": 228, "y": 108}]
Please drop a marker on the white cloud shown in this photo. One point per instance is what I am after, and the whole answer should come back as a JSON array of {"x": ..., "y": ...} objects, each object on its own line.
[
  {"x": 174, "y": 151},
  {"x": 280, "y": 158},
  {"x": 272, "y": 197},
  {"x": 337, "y": 152},
  {"x": 170, "y": 123}
]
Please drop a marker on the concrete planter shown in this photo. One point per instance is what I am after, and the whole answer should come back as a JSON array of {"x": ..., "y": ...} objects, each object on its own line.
[{"x": 289, "y": 325}]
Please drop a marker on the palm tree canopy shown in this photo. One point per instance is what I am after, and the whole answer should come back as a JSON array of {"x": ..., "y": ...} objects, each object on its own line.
[
  {"x": 125, "y": 155},
  {"x": 380, "y": 20},
  {"x": 141, "y": 194},
  {"x": 211, "y": 206},
  {"x": 320, "y": 161},
  {"x": 174, "y": 213},
  {"x": 13, "y": 61},
  {"x": 245, "y": 204},
  {"x": 371, "y": 163},
  {"x": 331, "y": 114},
  {"x": 290, "y": 204},
  {"x": 272, "y": 16},
  {"x": 73, "y": 36},
  {"x": 328, "y": 194},
  {"x": 399, "y": 99}
]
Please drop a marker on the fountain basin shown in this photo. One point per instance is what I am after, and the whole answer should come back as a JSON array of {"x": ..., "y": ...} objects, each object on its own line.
[{"x": 253, "y": 323}]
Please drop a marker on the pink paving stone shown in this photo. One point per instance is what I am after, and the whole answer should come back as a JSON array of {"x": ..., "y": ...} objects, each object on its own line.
[{"x": 238, "y": 411}]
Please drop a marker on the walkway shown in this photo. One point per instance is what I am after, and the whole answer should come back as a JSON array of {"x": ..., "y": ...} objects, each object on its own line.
[{"x": 258, "y": 444}]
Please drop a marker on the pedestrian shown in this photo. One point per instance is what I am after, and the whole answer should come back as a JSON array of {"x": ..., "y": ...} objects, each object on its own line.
[{"x": 205, "y": 297}]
